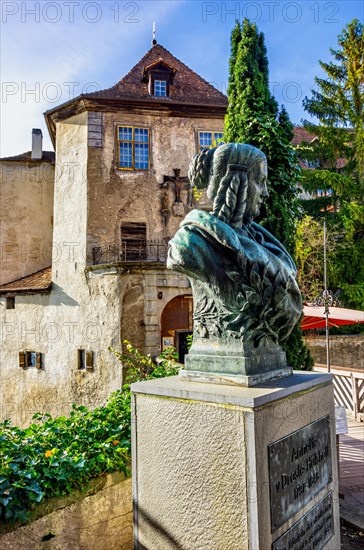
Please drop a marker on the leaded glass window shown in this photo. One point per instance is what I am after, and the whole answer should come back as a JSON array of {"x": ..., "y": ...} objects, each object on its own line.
[
  {"x": 160, "y": 88},
  {"x": 209, "y": 139},
  {"x": 133, "y": 145}
]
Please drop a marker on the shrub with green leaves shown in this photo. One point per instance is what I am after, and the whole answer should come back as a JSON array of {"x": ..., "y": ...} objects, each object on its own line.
[{"x": 53, "y": 456}]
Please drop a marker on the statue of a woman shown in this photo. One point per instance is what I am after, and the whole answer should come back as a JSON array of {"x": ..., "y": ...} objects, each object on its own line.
[{"x": 246, "y": 299}]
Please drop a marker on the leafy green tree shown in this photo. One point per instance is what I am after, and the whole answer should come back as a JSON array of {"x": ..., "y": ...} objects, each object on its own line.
[
  {"x": 337, "y": 154},
  {"x": 253, "y": 116},
  {"x": 310, "y": 256}
]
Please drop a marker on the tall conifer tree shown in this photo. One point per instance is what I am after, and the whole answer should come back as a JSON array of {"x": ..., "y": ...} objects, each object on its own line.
[
  {"x": 338, "y": 103},
  {"x": 253, "y": 117},
  {"x": 338, "y": 156}
]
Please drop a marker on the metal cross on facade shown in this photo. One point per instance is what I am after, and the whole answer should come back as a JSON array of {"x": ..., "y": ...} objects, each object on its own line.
[{"x": 178, "y": 182}]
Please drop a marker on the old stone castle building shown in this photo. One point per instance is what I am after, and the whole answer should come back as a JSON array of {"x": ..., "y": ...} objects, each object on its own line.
[{"x": 84, "y": 234}]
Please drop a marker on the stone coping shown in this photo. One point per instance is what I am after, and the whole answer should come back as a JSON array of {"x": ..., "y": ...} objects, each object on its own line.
[
  {"x": 255, "y": 396},
  {"x": 53, "y": 504}
]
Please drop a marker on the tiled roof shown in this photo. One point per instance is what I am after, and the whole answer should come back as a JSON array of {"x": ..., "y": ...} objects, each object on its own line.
[
  {"x": 48, "y": 156},
  {"x": 40, "y": 281},
  {"x": 301, "y": 134},
  {"x": 187, "y": 87}
]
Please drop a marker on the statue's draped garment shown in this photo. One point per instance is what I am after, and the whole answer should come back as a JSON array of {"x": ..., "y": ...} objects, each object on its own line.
[{"x": 243, "y": 279}]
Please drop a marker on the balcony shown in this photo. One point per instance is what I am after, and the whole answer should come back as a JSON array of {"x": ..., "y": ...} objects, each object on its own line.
[{"x": 131, "y": 251}]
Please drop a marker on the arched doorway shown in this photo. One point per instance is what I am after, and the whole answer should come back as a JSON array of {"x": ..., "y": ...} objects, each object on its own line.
[{"x": 177, "y": 324}]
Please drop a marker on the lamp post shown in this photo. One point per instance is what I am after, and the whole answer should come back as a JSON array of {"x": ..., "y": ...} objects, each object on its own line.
[{"x": 326, "y": 299}]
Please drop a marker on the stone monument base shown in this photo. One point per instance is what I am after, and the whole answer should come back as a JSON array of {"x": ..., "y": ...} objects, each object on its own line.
[
  {"x": 235, "y": 379},
  {"x": 234, "y": 363},
  {"x": 222, "y": 467}
]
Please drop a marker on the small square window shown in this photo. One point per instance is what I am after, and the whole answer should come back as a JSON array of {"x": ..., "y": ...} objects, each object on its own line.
[
  {"x": 160, "y": 88},
  {"x": 85, "y": 359},
  {"x": 10, "y": 302},
  {"x": 28, "y": 359}
]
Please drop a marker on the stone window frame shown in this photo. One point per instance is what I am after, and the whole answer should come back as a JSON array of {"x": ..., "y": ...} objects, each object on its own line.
[{"x": 118, "y": 141}]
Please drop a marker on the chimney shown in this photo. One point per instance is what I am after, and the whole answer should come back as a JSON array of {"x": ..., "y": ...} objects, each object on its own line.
[{"x": 37, "y": 137}]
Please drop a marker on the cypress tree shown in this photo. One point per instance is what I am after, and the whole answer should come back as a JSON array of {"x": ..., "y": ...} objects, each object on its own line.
[
  {"x": 232, "y": 87},
  {"x": 253, "y": 117}
]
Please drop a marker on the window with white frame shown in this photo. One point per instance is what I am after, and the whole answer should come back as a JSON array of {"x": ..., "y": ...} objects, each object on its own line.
[
  {"x": 133, "y": 148},
  {"x": 209, "y": 139},
  {"x": 160, "y": 88}
]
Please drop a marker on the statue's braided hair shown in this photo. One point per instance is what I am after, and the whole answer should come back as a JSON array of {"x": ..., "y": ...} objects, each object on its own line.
[
  {"x": 225, "y": 170},
  {"x": 200, "y": 168}
]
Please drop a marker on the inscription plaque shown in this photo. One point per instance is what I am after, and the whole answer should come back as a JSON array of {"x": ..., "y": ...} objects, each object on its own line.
[
  {"x": 300, "y": 466},
  {"x": 312, "y": 531}
]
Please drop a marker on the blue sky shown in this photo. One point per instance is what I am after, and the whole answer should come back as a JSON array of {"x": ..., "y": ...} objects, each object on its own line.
[{"x": 52, "y": 51}]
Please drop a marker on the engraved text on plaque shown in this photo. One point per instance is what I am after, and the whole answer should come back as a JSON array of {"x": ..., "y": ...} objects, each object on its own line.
[{"x": 300, "y": 466}]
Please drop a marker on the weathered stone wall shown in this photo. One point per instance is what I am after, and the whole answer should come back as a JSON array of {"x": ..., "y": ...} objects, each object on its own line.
[
  {"x": 96, "y": 522},
  {"x": 70, "y": 202},
  {"x": 82, "y": 311},
  {"x": 92, "y": 308},
  {"x": 26, "y": 218},
  {"x": 57, "y": 326},
  {"x": 117, "y": 196},
  {"x": 101, "y": 308},
  {"x": 345, "y": 351}
]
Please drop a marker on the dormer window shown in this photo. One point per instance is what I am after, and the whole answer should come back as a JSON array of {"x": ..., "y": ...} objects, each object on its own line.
[
  {"x": 159, "y": 78},
  {"x": 160, "y": 88}
]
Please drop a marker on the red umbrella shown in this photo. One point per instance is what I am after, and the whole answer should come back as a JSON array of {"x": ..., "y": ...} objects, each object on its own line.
[{"x": 314, "y": 317}]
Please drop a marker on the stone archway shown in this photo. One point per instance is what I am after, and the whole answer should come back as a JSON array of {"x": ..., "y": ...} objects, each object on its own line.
[{"x": 176, "y": 324}]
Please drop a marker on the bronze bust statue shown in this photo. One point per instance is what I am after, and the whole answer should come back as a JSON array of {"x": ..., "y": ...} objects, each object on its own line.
[{"x": 246, "y": 298}]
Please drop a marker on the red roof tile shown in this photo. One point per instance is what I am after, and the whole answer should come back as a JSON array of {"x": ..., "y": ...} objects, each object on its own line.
[
  {"x": 40, "y": 281},
  {"x": 301, "y": 134},
  {"x": 187, "y": 87}
]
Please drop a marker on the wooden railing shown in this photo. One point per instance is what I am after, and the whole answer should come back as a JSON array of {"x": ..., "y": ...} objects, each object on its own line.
[{"x": 348, "y": 389}]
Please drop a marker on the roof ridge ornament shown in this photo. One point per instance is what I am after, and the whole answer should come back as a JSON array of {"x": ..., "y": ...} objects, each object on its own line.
[{"x": 154, "y": 41}]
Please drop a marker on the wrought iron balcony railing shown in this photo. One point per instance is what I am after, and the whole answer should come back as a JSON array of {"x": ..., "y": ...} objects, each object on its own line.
[{"x": 131, "y": 251}]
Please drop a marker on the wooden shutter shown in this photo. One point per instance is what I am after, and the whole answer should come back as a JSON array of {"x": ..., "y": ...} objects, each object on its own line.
[
  {"x": 38, "y": 360},
  {"x": 133, "y": 241},
  {"x": 89, "y": 360},
  {"x": 22, "y": 359}
]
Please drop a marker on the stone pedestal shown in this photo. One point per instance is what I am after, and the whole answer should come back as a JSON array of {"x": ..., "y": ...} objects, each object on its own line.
[
  {"x": 225, "y": 467},
  {"x": 232, "y": 361}
]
